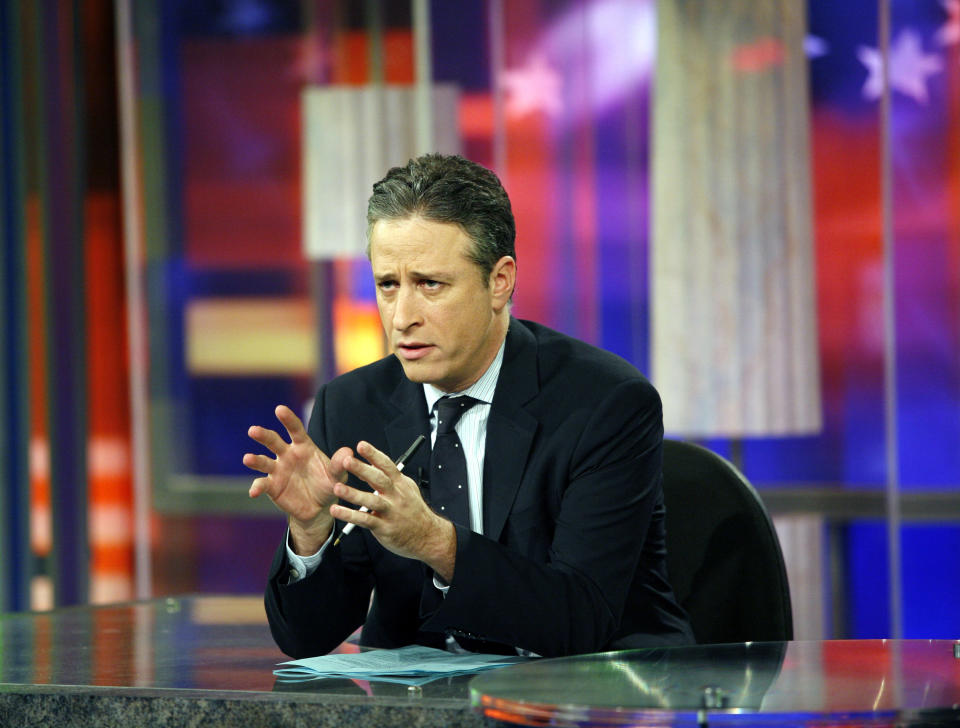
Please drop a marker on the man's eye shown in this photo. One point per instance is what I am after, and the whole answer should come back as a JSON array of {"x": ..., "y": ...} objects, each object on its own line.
[
  {"x": 430, "y": 284},
  {"x": 387, "y": 285}
]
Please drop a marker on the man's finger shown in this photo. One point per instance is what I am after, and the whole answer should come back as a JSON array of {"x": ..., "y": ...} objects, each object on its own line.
[
  {"x": 378, "y": 459},
  {"x": 260, "y": 463},
  {"x": 269, "y": 439},
  {"x": 295, "y": 428},
  {"x": 371, "y": 475},
  {"x": 338, "y": 463},
  {"x": 363, "y": 498},
  {"x": 258, "y": 487},
  {"x": 352, "y": 515}
]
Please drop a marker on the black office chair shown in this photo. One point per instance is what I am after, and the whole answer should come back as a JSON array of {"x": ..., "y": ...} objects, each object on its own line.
[{"x": 723, "y": 554}]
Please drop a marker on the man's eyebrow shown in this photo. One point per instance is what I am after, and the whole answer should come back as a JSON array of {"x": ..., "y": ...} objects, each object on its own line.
[
  {"x": 419, "y": 275},
  {"x": 428, "y": 275}
]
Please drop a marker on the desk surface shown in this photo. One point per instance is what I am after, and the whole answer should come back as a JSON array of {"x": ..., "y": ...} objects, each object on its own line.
[
  {"x": 834, "y": 683},
  {"x": 197, "y": 660},
  {"x": 209, "y": 661}
]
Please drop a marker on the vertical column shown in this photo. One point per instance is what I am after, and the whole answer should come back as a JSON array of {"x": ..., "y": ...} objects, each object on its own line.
[
  {"x": 133, "y": 236},
  {"x": 732, "y": 292},
  {"x": 423, "y": 78},
  {"x": 14, "y": 370},
  {"x": 497, "y": 52},
  {"x": 890, "y": 333},
  {"x": 61, "y": 166},
  {"x": 802, "y": 540}
]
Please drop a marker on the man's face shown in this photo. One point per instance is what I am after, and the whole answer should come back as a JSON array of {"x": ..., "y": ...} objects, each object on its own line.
[{"x": 444, "y": 324}]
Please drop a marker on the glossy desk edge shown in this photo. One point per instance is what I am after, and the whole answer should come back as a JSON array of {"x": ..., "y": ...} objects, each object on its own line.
[{"x": 199, "y": 659}]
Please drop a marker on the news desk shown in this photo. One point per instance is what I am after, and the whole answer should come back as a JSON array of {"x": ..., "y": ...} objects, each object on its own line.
[
  {"x": 196, "y": 661},
  {"x": 835, "y": 684},
  {"x": 209, "y": 661}
]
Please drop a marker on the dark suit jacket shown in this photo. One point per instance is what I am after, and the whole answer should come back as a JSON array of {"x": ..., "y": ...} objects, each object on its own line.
[{"x": 572, "y": 555}]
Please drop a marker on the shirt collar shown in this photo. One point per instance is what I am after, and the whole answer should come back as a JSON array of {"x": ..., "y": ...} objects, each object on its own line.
[{"x": 482, "y": 389}]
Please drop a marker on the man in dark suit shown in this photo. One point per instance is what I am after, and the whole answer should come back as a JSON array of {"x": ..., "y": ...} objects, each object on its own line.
[{"x": 559, "y": 544}]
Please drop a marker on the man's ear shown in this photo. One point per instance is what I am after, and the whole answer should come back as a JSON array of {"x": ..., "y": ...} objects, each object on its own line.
[{"x": 503, "y": 278}]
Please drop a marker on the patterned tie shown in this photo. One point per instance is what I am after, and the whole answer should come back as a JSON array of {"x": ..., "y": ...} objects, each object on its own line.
[{"x": 448, "y": 466}]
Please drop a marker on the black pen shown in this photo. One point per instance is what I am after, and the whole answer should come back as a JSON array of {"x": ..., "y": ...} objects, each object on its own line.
[{"x": 401, "y": 462}]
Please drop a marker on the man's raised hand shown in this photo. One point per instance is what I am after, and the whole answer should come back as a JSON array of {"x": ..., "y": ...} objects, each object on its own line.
[
  {"x": 398, "y": 517},
  {"x": 300, "y": 479}
]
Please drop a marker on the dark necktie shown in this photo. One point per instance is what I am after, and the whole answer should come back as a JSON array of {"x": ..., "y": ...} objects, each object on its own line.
[
  {"x": 448, "y": 466},
  {"x": 449, "y": 497}
]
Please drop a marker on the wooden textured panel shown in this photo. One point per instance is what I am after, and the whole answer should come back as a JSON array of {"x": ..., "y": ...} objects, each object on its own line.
[
  {"x": 352, "y": 136},
  {"x": 734, "y": 323}
]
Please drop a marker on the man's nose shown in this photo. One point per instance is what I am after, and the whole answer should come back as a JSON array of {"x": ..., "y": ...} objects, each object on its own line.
[{"x": 406, "y": 313}]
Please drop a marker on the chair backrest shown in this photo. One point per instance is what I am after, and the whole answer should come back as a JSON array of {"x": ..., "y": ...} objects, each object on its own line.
[{"x": 723, "y": 554}]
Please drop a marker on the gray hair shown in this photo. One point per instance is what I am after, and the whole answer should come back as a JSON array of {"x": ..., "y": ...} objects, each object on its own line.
[{"x": 449, "y": 189}]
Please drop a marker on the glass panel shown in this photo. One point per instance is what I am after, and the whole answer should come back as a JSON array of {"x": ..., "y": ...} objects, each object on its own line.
[
  {"x": 925, "y": 140},
  {"x": 845, "y": 135},
  {"x": 556, "y": 97}
]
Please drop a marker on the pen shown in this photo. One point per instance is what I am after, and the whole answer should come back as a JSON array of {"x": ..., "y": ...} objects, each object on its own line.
[{"x": 401, "y": 462}]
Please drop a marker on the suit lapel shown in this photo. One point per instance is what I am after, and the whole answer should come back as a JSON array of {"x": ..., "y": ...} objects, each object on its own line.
[
  {"x": 510, "y": 429},
  {"x": 411, "y": 420}
]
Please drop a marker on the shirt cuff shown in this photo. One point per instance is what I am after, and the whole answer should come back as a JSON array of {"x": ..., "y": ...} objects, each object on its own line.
[
  {"x": 440, "y": 584},
  {"x": 302, "y": 566}
]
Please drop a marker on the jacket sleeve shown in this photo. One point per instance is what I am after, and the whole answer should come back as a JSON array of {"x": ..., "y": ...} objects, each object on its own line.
[
  {"x": 573, "y": 600},
  {"x": 312, "y": 616}
]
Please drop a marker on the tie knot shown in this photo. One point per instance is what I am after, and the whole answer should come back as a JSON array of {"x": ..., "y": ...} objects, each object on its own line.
[{"x": 450, "y": 410}]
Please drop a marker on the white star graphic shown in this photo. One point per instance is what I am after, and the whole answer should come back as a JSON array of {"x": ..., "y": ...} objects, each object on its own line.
[
  {"x": 817, "y": 47},
  {"x": 949, "y": 33},
  {"x": 532, "y": 87},
  {"x": 909, "y": 68}
]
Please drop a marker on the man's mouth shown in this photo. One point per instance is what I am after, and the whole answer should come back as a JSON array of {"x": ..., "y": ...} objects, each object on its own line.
[{"x": 413, "y": 351}]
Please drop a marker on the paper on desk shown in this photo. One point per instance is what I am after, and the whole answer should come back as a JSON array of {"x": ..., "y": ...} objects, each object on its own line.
[{"x": 411, "y": 665}]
